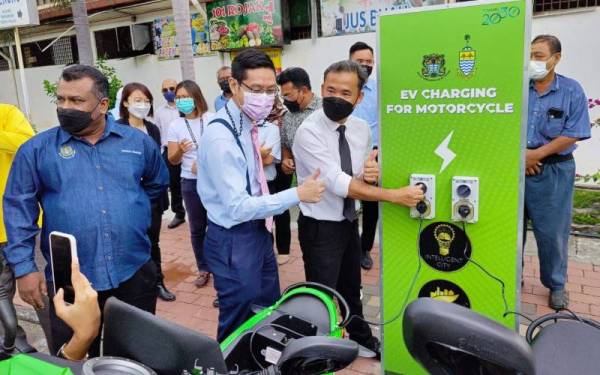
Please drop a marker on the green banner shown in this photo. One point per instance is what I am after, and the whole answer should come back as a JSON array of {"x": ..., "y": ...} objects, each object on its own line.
[
  {"x": 453, "y": 110},
  {"x": 236, "y": 24}
]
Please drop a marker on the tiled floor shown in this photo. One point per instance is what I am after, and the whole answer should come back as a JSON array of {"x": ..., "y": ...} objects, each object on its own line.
[{"x": 193, "y": 307}]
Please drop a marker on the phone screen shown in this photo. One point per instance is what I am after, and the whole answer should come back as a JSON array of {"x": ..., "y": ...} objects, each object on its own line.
[{"x": 61, "y": 266}]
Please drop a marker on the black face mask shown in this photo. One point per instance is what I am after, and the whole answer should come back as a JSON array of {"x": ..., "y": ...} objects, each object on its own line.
[
  {"x": 337, "y": 109},
  {"x": 74, "y": 121},
  {"x": 368, "y": 69},
  {"x": 292, "y": 106},
  {"x": 224, "y": 85}
]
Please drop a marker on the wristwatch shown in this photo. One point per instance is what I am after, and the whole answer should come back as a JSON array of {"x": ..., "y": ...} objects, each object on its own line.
[{"x": 61, "y": 354}]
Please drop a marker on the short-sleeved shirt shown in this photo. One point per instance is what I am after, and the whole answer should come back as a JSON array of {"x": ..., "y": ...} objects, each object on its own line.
[
  {"x": 561, "y": 111},
  {"x": 292, "y": 121},
  {"x": 268, "y": 136},
  {"x": 178, "y": 131},
  {"x": 163, "y": 117}
]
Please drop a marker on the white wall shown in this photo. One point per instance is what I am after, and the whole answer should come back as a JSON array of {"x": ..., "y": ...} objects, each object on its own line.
[{"x": 578, "y": 32}]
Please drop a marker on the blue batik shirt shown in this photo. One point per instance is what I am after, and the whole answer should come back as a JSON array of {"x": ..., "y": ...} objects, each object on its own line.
[{"x": 99, "y": 193}]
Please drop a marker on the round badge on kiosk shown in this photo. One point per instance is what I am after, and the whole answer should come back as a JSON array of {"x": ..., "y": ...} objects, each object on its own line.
[
  {"x": 444, "y": 246},
  {"x": 446, "y": 291}
]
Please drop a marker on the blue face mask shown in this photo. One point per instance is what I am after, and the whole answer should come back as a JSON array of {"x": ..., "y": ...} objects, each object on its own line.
[
  {"x": 169, "y": 96},
  {"x": 185, "y": 105}
]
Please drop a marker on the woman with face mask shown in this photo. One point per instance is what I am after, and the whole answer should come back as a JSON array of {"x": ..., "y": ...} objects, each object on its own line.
[
  {"x": 183, "y": 140},
  {"x": 134, "y": 108}
]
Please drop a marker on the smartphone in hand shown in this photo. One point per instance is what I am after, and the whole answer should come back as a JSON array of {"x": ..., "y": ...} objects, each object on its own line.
[{"x": 63, "y": 250}]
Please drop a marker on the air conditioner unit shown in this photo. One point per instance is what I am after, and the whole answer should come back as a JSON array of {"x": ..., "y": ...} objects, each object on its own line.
[{"x": 140, "y": 36}]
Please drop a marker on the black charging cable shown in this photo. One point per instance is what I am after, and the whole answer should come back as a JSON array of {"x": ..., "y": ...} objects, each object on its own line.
[
  {"x": 464, "y": 211},
  {"x": 421, "y": 208},
  {"x": 410, "y": 288}
]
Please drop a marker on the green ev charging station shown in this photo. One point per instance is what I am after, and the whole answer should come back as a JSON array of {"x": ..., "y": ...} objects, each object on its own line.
[{"x": 453, "y": 108}]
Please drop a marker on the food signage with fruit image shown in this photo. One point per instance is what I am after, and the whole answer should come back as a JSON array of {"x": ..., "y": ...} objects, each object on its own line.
[{"x": 242, "y": 24}]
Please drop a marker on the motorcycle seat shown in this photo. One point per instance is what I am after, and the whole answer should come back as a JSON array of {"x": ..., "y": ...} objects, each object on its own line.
[{"x": 567, "y": 347}]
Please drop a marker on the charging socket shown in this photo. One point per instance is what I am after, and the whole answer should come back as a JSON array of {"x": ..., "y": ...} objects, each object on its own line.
[
  {"x": 465, "y": 199},
  {"x": 427, "y": 181}
]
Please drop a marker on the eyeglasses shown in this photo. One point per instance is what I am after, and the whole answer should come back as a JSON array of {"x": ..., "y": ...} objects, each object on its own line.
[
  {"x": 289, "y": 96},
  {"x": 271, "y": 91},
  {"x": 141, "y": 101},
  {"x": 165, "y": 89}
]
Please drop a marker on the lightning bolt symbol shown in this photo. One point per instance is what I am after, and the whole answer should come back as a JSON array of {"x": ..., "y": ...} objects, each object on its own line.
[{"x": 444, "y": 152}]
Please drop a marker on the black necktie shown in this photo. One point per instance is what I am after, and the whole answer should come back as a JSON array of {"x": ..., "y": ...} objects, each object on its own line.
[{"x": 346, "y": 161}]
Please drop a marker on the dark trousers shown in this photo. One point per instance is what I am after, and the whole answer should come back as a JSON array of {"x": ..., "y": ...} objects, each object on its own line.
[
  {"x": 370, "y": 215},
  {"x": 331, "y": 253},
  {"x": 154, "y": 235},
  {"x": 283, "y": 232},
  {"x": 197, "y": 220},
  {"x": 139, "y": 291},
  {"x": 243, "y": 263},
  {"x": 7, "y": 294},
  {"x": 175, "y": 187}
]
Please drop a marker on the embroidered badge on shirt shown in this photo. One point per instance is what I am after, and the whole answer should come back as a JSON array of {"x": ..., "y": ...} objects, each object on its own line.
[{"x": 66, "y": 152}]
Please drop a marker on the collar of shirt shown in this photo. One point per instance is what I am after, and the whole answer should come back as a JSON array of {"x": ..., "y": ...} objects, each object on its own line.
[
  {"x": 168, "y": 107},
  {"x": 370, "y": 85},
  {"x": 314, "y": 103},
  {"x": 111, "y": 127},
  {"x": 555, "y": 86},
  {"x": 235, "y": 112},
  {"x": 331, "y": 125}
]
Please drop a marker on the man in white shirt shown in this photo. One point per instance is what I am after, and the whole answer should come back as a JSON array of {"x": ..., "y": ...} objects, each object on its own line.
[
  {"x": 270, "y": 149},
  {"x": 340, "y": 145},
  {"x": 163, "y": 116}
]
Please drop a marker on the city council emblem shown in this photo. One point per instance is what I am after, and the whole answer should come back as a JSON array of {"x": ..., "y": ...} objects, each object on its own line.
[{"x": 433, "y": 67}]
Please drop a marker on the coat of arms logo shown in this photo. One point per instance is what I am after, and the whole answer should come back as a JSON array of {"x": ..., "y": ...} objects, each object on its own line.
[
  {"x": 433, "y": 67},
  {"x": 466, "y": 60}
]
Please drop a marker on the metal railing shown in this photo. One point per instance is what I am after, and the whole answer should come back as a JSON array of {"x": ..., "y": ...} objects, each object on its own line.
[{"x": 553, "y": 5}]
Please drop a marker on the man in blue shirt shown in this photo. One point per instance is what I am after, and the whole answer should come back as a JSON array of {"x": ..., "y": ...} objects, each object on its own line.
[
  {"x": 94, "y": 179},
  {"x": 223, "y": 75},
  {"x": 232, "y": 185},
  {"x": 558, "y": 118},
  {"x": 367, "y": 110}
]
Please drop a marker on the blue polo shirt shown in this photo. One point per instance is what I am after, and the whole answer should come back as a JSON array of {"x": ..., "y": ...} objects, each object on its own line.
[
  {"x": 99, "y": 193},
  {"x": 544, "y": 122}
]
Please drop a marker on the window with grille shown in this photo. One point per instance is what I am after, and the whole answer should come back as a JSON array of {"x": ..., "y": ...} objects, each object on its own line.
[
  {"x": 300, "y": 20},
  {"x": 124, "y": 41},
  {"x": 550, "y": 5},
  {"x": 62, "y": 52}
]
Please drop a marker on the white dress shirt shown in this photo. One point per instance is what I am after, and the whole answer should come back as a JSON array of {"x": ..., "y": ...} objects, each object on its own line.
[
  {"x": 163, "y": 117},
  {"x": 316, "y": 146},
  {"x": 268, "y": 136}
]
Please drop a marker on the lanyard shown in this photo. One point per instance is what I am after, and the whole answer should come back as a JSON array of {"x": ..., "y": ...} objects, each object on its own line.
[
  {"x": 239, "y": 143},
  {"x": 189, "y": 128}
]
